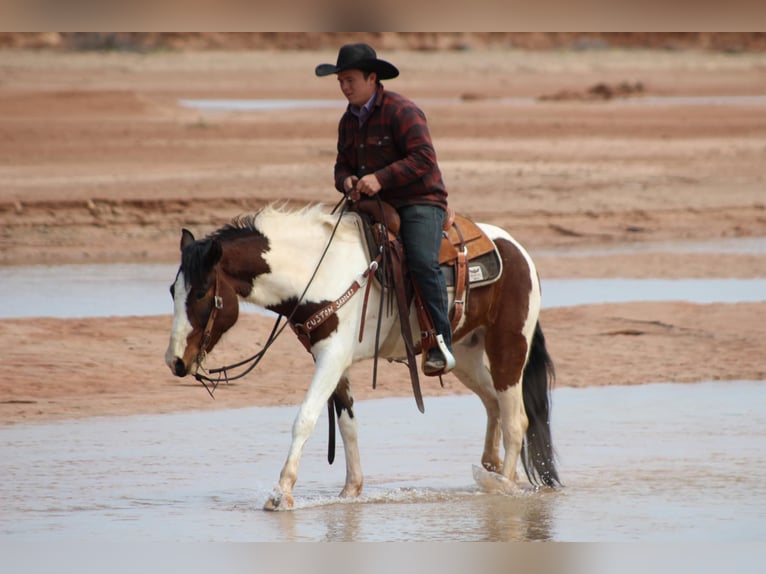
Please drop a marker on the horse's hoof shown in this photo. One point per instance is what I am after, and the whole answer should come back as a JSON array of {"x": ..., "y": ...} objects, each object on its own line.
[
  {"x": 493, "y": 482},
  {"x": 279, "y": 501},
  {"x": 351, "y": 491}
]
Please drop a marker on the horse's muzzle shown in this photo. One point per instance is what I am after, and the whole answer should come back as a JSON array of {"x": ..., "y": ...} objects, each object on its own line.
[{"x": 179, "y": 369}]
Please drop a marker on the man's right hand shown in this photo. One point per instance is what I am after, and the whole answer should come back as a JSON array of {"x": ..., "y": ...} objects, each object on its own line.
[{"x": 349, "y": 186}]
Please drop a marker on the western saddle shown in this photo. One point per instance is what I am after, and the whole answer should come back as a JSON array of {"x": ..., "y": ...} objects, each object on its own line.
[{"x": 468, "y": 257}]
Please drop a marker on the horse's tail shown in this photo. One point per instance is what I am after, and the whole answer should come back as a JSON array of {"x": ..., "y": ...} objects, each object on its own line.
[{"x": 537, "y": 453}]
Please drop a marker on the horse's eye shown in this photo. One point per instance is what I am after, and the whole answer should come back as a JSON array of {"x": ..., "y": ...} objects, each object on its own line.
[{"x": 200, "y": 295}]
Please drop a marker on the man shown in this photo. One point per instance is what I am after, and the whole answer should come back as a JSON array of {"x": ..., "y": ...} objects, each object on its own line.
[{"x": 384, "y": 148}]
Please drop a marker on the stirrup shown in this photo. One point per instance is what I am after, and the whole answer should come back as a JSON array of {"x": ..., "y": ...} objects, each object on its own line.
[
  {"x": 443, "y": 365},
  {"x": 449, "y": 359}
]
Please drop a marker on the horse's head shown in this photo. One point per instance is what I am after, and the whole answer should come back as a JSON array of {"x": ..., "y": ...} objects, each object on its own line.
[{"x": 205, "y": 304}]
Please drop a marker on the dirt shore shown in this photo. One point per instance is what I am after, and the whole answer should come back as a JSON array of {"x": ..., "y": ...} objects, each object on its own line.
[{"x": 100, "y": 163}]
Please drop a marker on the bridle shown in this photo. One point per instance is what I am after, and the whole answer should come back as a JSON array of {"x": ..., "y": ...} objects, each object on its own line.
[{"x": 207, "y": 333}]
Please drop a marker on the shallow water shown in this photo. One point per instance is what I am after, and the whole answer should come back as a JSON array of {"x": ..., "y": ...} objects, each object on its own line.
[
  {"x": 660, "y": 462},
  {"x": 254, "y": 105},
  {"x": 70, "y": 291},
  {"x": 734, "y": 245}
]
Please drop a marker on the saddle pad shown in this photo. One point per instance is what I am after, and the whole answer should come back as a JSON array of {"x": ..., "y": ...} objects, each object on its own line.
[{"x": 482, "y": 270}]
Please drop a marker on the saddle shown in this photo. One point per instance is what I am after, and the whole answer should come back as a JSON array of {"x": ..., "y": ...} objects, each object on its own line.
[{"x": 467, "y": 257}]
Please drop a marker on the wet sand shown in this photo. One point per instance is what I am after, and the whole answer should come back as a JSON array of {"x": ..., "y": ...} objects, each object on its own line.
[{"x": 99, "y": 163}]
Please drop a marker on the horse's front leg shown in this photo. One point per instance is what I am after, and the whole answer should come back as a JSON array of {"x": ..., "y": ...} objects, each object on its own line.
[
  {"x": 330, "y": 366},
  {"x": 344, "y": 403}
]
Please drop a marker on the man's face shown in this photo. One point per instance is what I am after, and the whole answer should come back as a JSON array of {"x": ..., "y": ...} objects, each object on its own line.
[{"x": 356, "y": 87}]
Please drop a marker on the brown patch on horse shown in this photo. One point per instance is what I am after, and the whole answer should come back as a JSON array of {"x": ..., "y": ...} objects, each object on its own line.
[
  {"x": 503, "y": 308},
  {"x": 200, "y": 305},
  {"x": 342, "y": 397},
  {"x": 303, "y": 313},
  {"x": 243, "y": 261}
]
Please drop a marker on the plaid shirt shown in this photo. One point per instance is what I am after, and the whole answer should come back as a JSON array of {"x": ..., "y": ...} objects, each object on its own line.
[{"x": 393, "y": 143}]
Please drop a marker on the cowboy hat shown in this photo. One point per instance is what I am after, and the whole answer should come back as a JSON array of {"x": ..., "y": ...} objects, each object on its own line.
[{"x": 358, "y": 57}]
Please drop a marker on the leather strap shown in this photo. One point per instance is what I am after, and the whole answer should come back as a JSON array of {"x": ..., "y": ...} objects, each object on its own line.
[
  {"x": 303, "y": 330},
  {"x": 217, "y": 305},
  {"x": 404, "y": 322},
  {"x": 461, "y": 281}
]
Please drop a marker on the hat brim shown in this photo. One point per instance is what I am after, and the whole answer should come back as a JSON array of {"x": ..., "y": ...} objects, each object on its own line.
[{"x": 384, "y": 70}]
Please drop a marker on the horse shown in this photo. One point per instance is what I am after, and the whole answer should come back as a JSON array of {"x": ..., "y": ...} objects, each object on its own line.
[{"x": 271, "y": 259}]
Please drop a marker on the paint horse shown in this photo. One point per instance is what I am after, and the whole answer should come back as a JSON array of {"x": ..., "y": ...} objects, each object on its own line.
[{"x": 270, "y": 259}]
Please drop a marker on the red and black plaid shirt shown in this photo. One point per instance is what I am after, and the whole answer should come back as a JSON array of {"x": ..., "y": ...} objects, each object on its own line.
[{"x": 393, "y": 143}]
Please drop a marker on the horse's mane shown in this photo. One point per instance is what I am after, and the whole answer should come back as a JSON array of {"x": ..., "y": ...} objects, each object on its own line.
[
  {"x": 194, "y": 255},
  {"x": 239, "y": 226},
  {"x": 193, "y": 258},
  {"x": 248, "y": 224},
  {"x": 310, "y": 218},
  {"x": 192, "y": 261}
]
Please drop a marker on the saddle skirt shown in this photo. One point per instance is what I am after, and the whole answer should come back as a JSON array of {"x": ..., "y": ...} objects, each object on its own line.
[{"x": 484, "y": 263}]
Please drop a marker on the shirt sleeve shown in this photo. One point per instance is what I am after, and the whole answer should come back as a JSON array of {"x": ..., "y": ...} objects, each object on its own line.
[
  {"x": 343, "y": 167},
  {"x": 413, "y": 139}
]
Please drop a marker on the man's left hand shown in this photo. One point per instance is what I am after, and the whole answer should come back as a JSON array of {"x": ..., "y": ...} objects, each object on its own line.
[{"x": 368, "y": 185}]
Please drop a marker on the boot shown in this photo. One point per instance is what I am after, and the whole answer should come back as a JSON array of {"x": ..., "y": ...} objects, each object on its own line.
[{"x": 439, "y": 360}]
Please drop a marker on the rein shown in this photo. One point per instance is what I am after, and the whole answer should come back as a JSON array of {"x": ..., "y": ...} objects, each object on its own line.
[{"x": 222, "y": 373}]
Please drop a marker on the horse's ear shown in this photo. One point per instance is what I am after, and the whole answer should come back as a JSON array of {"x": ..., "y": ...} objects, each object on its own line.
[
  {"x": 213, "y": 254},
  {"x": 187, "y": 238}
]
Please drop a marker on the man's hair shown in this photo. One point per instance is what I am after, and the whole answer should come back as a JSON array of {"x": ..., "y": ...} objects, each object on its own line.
[{"x": 366, "y": 74}]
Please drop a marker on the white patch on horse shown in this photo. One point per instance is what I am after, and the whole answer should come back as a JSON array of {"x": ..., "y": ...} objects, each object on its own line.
[
  {"x": 535, "y": 297},
  {"x": 296, "y": 243},
  {"x": 181, "y": 326}
]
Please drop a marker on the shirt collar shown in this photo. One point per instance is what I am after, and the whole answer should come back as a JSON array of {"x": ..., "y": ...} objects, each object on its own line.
[{"x": 362, "y": 113}]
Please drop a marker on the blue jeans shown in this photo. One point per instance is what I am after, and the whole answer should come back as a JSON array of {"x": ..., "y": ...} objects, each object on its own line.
[{"x": 421, "y": 234}]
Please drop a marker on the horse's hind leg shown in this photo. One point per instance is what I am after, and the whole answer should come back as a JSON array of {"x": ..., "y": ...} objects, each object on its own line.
[
  {"x": 507, "y": 368},
  {"x": 473, "y": 373},
  {"x": 344, "y": 403}
]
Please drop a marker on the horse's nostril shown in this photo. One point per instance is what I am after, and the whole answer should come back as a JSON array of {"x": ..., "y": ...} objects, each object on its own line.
[{"x": 180, "y": 368}]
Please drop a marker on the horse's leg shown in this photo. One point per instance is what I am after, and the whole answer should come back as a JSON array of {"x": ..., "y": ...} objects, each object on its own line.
[
  {"x": 331, "y": 363},
  {"x": 507, "y": 357},
  {"x": 344, "y": 403},
  {"x": 473, "y": 373}
]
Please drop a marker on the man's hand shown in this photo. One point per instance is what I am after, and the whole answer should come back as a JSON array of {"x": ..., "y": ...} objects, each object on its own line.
[
  {"x": 349, "y": 186},
  {"x": 368, "y": 185}
]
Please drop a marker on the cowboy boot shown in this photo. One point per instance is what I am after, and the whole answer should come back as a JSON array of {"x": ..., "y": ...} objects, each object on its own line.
[{"x": 440, "y": 360}]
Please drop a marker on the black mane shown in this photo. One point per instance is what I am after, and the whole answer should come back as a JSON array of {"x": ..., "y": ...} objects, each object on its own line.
[
  {"x": 240, "y": 226},
  {"x": 194, "y": 259}
]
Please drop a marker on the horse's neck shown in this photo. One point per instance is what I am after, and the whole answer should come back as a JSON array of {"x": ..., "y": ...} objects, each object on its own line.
[
  {"x": 293, "y": 259},
  {"x": 243, "y": 261}
]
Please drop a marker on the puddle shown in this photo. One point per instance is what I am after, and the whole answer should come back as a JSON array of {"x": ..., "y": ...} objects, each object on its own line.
[
  {"x": 260, "y": 105},
  {"x": 71, "y": 291},
  {"x": 657, "y": 462},
  {"x": 735, "y": 246},
  {"x": 569, "y": 292},
  {"x": 254, "y": 105}
]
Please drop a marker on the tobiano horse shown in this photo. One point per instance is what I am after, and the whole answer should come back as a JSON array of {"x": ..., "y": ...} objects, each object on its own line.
[{"x": 271, "y": 259}]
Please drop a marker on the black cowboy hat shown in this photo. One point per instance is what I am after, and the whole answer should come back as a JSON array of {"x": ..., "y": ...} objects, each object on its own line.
[{"x": 359, "y": 57}]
